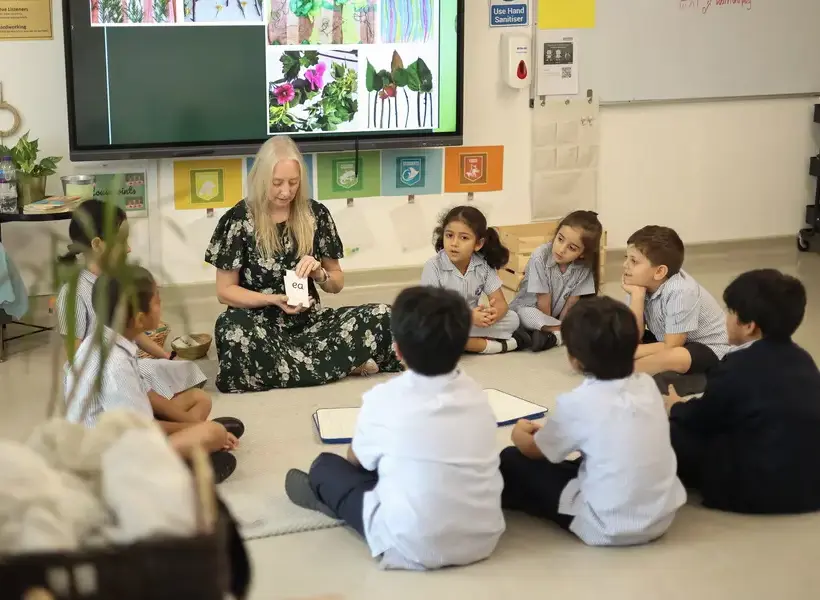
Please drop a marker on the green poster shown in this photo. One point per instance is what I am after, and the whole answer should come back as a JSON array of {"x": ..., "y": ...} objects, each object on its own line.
[
  {"x": 338, "y": 177},
  {"x": 126, "y": 189}
]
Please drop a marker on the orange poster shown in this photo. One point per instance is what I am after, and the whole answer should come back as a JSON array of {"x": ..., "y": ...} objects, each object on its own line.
[{"x": 473, "y": 169}]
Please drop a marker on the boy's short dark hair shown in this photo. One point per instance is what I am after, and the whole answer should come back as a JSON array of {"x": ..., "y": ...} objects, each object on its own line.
[
  {"x": 131, "y": 287},
  {"x": 774, "y": 301},
  {"x": 430, "y": 326},
  {"x": 601, "y": 334},
  {"x": 661, "y": 246}
]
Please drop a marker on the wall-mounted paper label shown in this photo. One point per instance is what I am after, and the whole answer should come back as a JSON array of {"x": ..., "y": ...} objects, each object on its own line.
[{"x": 297, "y": 289}]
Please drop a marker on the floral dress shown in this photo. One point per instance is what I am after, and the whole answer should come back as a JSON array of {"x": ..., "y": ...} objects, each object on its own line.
[{"x": 264, "y": 348}]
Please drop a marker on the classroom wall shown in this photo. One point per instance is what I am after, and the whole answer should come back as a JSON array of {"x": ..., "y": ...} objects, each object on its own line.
[{"x": 715, "y": 171}]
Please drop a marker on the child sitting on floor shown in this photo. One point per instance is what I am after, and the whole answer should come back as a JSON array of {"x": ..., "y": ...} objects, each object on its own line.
[
  {"x": 623, "y": 490},
  {"x": 99, "y": 232},
  {"x": 421, "y": 480},
  {"x": 104, "y": 373},
  {"x": 469, "y": 256},
  {"x": 750, "y": 444},
  {"x": 557, "y": 275},
  {"x": 683, "y": 326}
]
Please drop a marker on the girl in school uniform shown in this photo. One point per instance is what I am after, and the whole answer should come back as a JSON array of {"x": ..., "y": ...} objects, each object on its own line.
[
  {"x": 469, "y": 254},
  {"x": 557, "y": 275},
  {"x": 98, "y": 231}
]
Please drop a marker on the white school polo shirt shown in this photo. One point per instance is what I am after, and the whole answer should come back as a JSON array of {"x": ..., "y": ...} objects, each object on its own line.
[
  {"x": 480, "y": 278},
  {"x": 121, "y": 385},
  {"x": 627, "y": 490},
  {"x": 438, "y": 499}
]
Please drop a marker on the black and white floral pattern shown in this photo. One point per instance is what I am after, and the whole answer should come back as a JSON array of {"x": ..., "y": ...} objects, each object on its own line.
[{"x": 264, "y": 348}]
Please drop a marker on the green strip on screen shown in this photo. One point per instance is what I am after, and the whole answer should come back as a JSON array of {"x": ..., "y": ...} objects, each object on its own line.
[{"x": 448, "y": 69}]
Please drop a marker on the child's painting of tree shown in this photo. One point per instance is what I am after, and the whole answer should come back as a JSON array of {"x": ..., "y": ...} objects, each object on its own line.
[
  {"x": 312, "y": 90},
  {"x": 314, "y": 22},
  {"x": 401, "y": 94}
]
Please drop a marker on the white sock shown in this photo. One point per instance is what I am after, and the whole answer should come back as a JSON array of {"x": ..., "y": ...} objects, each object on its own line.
[
  {"x": 558, "y": 337},
  {"x": 495, "y": 347}
]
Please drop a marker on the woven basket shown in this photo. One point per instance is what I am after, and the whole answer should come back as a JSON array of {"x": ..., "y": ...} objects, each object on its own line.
[
  {"x": 194, "y": 352},
  {"x": 205, "y": 567},
  {"x": 158, "y": 336}
]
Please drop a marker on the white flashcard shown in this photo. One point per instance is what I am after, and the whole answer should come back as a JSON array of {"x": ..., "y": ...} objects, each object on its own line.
[{"x": 297, "y": 289}]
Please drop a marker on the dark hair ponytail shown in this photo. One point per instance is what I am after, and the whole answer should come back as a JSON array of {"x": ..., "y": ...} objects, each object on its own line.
[
  {"x": 92, "y": 219},
  {"x": 591, "y": 232},
  {"x": 493, "y": 251}
]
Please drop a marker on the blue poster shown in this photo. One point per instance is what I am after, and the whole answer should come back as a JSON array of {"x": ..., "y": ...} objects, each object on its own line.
[
  {"x": 309, "y": 180},
  {"x": 416, "y": 172}
]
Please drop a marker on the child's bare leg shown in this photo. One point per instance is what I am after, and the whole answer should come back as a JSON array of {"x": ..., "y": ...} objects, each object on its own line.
[
  {"x": 196, "y": 402},
  {"x": 209, "y": 435},
  {"x": 475, "y": 345},
  {"x": 677, "y": 360}
]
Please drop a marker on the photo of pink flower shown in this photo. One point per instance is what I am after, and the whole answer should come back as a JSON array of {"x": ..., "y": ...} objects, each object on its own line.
[
  {"x": 315, "y": 76},
  {"x": 284, "y": 93},
  {"x": 312, "y": 90}
]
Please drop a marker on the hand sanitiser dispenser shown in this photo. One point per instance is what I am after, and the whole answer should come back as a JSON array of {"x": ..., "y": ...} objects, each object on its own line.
[{"x": 515, "y": 60}]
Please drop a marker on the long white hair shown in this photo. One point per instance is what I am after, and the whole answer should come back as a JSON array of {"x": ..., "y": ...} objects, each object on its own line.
[{"x": 301, "y": 224}]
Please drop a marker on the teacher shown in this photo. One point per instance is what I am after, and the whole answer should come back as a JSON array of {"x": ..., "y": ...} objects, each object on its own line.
[{"x": 263, "y": 343}]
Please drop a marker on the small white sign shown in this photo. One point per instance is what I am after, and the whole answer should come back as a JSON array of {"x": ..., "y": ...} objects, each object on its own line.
[
  {"x": 509, "y": 13},
  {"x": 297, "y": 289}
]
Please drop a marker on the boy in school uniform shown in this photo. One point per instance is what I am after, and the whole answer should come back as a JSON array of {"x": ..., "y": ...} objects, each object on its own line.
[
  {"x": 104, "y": 374},
  {"x": 750, "y": 444},
  {"x": 683, "y": 326},
  {"x": 624, "y": 489},
  {"x": 421, "y": 481}
]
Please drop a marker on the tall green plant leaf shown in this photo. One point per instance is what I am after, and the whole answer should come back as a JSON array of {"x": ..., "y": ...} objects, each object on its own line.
[
  {"x": 371, "y": 78},
  {"x": 413, "y": 80},
  {"x": 425, "y": 76}
]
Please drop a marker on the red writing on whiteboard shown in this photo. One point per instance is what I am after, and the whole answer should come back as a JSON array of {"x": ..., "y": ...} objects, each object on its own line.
[{"x": 705, "y": 5}]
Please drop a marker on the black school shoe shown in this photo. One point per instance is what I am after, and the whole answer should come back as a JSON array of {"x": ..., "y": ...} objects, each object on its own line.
[
  {"x": 298, "y": 490},
  {"x": 522, "y": 338},
  {"x": 543, "y": 340},
  {"x": 685, "y": 385},
  {"x": 232, "y": 424},
  {"x": 224, "y": 464}
]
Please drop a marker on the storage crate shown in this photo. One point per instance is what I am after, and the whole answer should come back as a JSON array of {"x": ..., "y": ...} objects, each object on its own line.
[{"x": 522, "y": 240}]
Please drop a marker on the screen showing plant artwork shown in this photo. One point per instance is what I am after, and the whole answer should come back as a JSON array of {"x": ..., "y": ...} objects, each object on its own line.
[{"x": 153, "y": 78}]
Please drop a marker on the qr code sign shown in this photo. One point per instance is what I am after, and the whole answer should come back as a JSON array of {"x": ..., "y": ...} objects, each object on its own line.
[{"x": 566, "y": 72}]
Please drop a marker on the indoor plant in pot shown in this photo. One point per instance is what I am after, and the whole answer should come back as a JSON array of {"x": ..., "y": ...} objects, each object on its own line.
[{"x": 31, "y": 173}]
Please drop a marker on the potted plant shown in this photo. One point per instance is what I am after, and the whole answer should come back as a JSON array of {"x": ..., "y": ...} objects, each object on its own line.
[{"x": 31, "y": 173}]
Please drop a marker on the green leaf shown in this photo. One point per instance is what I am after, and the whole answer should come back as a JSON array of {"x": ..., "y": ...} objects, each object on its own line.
[
  {"x": 401, "y": 77},
  {"x": 290, "y": 64},
  {"x": 425, "y": 76},
  {"x": 413, "y": 79},
  {"x": 310, "y": 58},
  {"x": 386, "y": 77},
  {"x": 370, "y": 78}
]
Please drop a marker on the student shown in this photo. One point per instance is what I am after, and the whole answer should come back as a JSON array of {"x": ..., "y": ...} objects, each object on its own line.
[
  {"x": 557, "y": 275},
  {"x": 469, "y": 256},
  {"x": 421, "y": 481},
  {"x": 99, "y": 231},
  {"x": 104, "y": 374},
  {"x": 683, "y": 326},
  {"x": 623, "y": 490},
  {"x": 750, "y": 444}
]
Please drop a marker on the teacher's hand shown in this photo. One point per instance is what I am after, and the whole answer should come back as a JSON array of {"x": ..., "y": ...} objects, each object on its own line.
[
  {"x": 308, "y": 267},
  {"x": 281, "y": 300}
]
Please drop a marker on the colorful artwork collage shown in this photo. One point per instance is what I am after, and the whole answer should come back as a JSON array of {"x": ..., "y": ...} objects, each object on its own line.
[
  {"x": 331, "y": 65},
  {"x": 352, "y": 65},
  {"x": 220, "y": 183}
]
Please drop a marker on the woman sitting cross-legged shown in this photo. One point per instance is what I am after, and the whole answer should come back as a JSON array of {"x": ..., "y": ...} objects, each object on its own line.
[{"x": 262, "y": 342}]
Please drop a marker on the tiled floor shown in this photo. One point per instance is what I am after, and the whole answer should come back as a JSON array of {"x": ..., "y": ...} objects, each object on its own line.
[{"x": 706, "y": 555}]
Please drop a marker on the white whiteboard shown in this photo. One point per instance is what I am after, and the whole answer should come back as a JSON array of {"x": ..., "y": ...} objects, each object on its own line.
[{"x": 687, "y": 49}]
